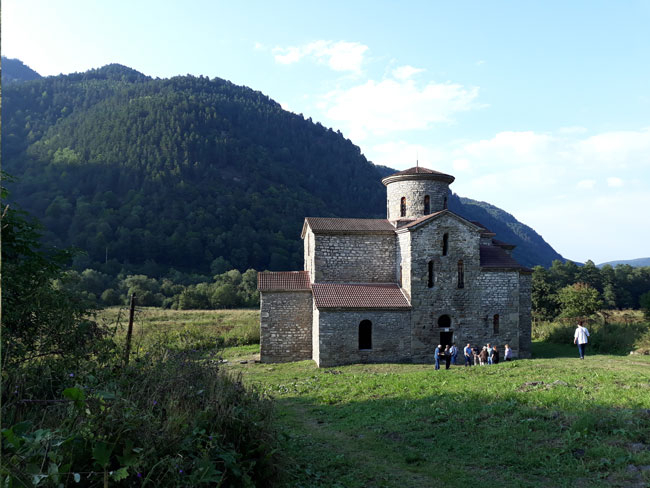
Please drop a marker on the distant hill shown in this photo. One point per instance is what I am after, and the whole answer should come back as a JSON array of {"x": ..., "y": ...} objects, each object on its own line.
[
  {"x": 190, "y": 173},
  {"x": 635, "y": 263},
  {"x": 531, "y": 248},
  {"x": 14, "y": 70}
]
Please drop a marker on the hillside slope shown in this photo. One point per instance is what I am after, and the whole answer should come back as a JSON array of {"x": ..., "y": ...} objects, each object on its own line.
[
  {"x": 14, "y": 70},
  {"x": 635, "y": 263},
  {"x": 188, "y": 173}
]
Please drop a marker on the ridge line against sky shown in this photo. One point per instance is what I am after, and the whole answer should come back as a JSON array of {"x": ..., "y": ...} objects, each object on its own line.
[{"x": 540, "y": 109}]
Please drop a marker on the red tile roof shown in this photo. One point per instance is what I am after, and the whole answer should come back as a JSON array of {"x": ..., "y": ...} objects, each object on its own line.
[
  {"x": 418, "y": 170},
  {"x": 424, "y": 218},
  {"x": 283, "y": 281},
  {"x": 352, "y": 226},
  {"x": 502, "y": 244},
  {"x": 496, "y": 257},
  {"x": 365, "y": 295},
  {"x": 417, "y": 222}
]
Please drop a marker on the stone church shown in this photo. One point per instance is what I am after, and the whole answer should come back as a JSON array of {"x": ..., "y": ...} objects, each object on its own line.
[{"x": 391, "y": 290}]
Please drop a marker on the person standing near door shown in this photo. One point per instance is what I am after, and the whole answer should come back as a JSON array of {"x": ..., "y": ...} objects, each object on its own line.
[
  {"x": 436, "y": 356},
  {"x": 454, "y": 353},
  {"x": 469, "y": 357},
  {"x": 447, "y": 356}
]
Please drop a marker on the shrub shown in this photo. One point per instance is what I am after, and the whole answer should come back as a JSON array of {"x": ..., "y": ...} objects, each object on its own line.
[{"x": 167, "y": 419}]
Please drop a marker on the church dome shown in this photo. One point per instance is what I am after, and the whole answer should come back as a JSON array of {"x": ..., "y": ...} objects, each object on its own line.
[{"x": 416, "y": 192}]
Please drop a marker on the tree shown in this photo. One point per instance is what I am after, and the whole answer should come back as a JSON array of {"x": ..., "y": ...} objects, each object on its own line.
[
  {"x": 39, "y": 320},
  {"x": 579, "y": 300},
  {"x": 644, "y": 302},
  {"x": 544, "y": 300}
]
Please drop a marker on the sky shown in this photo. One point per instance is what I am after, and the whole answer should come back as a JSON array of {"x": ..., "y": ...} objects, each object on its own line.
[{"x": 539, "y": 108}]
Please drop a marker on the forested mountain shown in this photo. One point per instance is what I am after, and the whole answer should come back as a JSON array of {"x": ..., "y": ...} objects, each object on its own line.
[
  {"x": 15, "y": 70},
  {"x": 191, "y": 173},
  {"x": 531, "y": 248}
]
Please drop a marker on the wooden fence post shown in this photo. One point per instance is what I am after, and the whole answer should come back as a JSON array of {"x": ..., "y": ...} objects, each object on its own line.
[{"x": 129, "y": 333}]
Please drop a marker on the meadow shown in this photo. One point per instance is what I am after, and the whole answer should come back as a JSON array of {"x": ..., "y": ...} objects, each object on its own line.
[{"x": 550, "y": 421}]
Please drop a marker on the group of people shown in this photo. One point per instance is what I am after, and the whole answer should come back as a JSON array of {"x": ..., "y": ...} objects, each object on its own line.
[
  {"x": 473, "y": 355},
  {"x": 490, "y": 354}
]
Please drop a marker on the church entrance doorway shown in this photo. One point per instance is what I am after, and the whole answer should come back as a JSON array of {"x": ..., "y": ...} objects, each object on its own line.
[{"x": 446, "y": 339}]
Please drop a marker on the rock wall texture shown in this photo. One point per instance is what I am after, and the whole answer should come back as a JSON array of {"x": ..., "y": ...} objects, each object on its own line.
[
  {"x": 339, "y": 337},
  {"x": 414, "y": 191},
  {"x": 445, "y": 297},
  {"x": 354, "y": 259},
  {"x": 285, "y": 326}
]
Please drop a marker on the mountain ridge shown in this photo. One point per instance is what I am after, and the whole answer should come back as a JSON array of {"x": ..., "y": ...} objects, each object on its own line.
[
  {"x": 14, "y": 71},
  {"x": 635, "y": 263},
  {"x": 191, "y": 173}
]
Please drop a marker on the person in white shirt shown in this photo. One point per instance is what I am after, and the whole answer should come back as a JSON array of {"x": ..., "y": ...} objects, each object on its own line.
[
  {"x": 507, "y": 355},
  {"x": 580, "y": 338}
]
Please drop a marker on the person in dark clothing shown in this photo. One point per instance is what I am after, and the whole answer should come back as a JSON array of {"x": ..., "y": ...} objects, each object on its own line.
[
  {"x": 495, "y": 355},
  {"x": 447, "y": 355}
]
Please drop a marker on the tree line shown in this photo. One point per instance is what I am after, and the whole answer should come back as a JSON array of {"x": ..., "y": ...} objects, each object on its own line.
[
  {"x": 176, "y": 290},
  {"x": 571, "y": 290}
]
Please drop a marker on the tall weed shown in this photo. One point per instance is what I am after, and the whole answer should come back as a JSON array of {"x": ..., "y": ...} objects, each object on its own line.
[
  {"x": 169, "y": 418},
  {"x": 618, "y": 334}
]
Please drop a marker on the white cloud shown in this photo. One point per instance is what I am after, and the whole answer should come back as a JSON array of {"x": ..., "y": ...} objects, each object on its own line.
[
  {"x": 404, "y": 154},
  {"x": 511, "y": 147},
  {"x": 461, "y": 164},
  {"x": 383, "y": 107},
  {"x": 339, "y": 56},
  {"x": 586, "y": 184},
  {"x": 617, "y": 149},
  {"x": 406, "y": 72},
  {"x": 572, "y": 130},
  {"x": 614, "y": 182}
]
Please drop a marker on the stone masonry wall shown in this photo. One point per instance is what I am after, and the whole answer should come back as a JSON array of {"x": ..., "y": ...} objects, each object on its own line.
[
  {"x": 415, "y": 191},
  {"x": 404, "y": 261},
  {"x": 500, "y": 296},
  {"x": 339, "y": 337},
  {"x": 444, "y": 298},
  {"x": 315, "y": 335},
  {"x": 354, "y": 258},
  {"x": 309, "y": 244},
  {"x": 285, "y": 326},
  {"x": 525, "y": 318}
]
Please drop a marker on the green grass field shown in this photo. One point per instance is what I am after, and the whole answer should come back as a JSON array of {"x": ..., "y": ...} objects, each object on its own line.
[{"x": 550, "y": 421}]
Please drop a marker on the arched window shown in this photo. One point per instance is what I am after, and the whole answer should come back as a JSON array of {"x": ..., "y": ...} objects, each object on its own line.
[
  {"x": 402, "y": 207},
  {"x": 444, "y": 203},
  {"x": 495, "y": 323},
  {"x": 445, "y": 244},
  {"x": 461, "y": 274},
  {"x": 427, "y": 205},
  {"x": 400, "y": 275},
  {"x": 365, "y": 334},
  {"x": 444, "y": 321},
  {"x": 430, "y": 280}
]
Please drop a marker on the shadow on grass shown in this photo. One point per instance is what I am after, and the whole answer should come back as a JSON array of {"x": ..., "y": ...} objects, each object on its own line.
[
  {"x": 549, "y": 350},
  {"x": 406, "y": 441}
]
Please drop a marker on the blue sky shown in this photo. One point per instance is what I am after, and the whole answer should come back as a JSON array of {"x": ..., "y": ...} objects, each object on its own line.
[{"x": 540, "y": 108}]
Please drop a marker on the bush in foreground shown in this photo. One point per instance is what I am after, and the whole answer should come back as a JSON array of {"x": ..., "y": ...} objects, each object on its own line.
[{"x": 167, "y": 419}]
